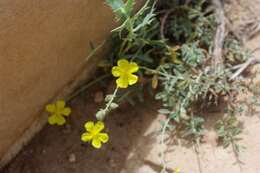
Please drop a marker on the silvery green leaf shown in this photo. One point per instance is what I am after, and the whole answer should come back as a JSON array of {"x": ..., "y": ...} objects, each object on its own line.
[
  {"x": 164, "y": 111},
  {"x": 100, "y": 115},
  {"x": 115, "y": 4},
  {"x": 114, "y": 105},
  {"x": 108, "y": 97}
]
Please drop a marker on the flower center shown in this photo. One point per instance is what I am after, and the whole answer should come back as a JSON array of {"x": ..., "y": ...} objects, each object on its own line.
[
  {"x": 126, "y": 71},
  {"x": 94, "y": 134}
]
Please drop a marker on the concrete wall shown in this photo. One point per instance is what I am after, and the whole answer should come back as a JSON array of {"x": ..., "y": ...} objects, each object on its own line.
[{"x": 43, "y": 44}]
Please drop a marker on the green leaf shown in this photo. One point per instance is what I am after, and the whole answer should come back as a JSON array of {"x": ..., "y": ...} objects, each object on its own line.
[
  {"x": 192, "y": 54},
  {"x": 129, "y": 6},
  {"x": 122, "y": 10},
  {"x": 164, "y": 111},
  {"x": 148, "y": 19},
  {"x": 115, "y": 4},
  {"x": 114, "y": 105},
  {"x": 101, "y": 114},
  {"x": 108, "y": 97}
]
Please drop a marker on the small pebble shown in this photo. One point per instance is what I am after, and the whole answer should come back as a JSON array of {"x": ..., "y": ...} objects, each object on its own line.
[
  {"x": 72, "y": 158},
  {"x": 43, "y": 151},
  {"x": 112, "y": 163}
]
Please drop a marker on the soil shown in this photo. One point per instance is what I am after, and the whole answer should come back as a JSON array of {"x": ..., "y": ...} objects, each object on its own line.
[
  {"x": 134, "y": 146},
  {"x": 59, "y": 149}
]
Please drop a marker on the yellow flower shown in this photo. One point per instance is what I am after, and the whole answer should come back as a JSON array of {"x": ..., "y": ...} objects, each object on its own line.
[
  {"x": 57, "y": 111},
  {"x": 94, "y": 134},
  {"x": 124, "y": 70},
  {"x": 177, "y": 170}
]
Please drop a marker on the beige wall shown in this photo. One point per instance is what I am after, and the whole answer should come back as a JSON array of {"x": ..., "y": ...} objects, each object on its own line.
[{"x": 42, "y": 46}]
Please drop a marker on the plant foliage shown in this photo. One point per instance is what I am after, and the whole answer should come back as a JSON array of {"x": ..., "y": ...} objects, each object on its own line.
[{"x": 172, "y": 41}]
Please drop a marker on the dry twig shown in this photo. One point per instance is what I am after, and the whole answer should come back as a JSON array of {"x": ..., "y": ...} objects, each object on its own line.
[
  {"x": 220, "y": 34},
  {"x": 244, "y": 66}
]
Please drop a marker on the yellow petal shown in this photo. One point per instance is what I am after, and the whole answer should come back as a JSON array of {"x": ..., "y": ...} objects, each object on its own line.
[
  {"x": 60, "y": 120},
  {"x": 133, "y": 67},
  {"x": 132, "y": 79},
  {"x": 123, "y": 64},
  {"x": 56, "y": 119},
  {"x": 116, "y": 71},
  {"x": 103, "y": 137},
  {"x": 89, "y": 126},
  {"x": 177, "y": 170},
  {"x": 52, "y": 119},
  {"x": 96, "y": 143},
  {"x": 50, "y": 108},
  {"x": 122, "y": 82},
  {"x": 85, "y": 137},
  {"x": 98, "y": 127},
  {"x": 60, "y": 104},
  {"x": 66, "y": 111}
]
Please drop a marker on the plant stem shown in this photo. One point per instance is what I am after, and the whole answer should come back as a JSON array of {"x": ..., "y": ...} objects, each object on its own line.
[
  {"x": 157, "y": 72},
  {"x": 106, "y": 110},
  {"x": 236, "y": 154},
  {"x": 197, "y": 152},
  {"x": 95, "y": 50},
  {"x": 84, "y": 87},
  {"x": 162, "y": 145}
]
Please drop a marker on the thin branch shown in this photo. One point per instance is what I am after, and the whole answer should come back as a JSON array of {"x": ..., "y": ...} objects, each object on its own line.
[
  {"x": 164, "y": 165},
  {"x": 93, "y": 52},
  {"x": 163, "y": 21},
  {"x": 254, "y": 31},
  {"x": 197, "y": 152},
  {"x": 244, "y": 66},
  {"x": 220, "y": 34},
  {"x": 236, "y": 154},
  {"x": 86, "y": 86}
]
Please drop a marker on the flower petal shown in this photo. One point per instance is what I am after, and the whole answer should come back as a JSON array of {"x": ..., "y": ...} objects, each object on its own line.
[
  {"x": 50, "y": 108},
  {"x": 132, "y": 79},
  {"x": 60, "y": 104},
  {"x": 177, "y": 170},
  {"x": 103, "y": 137},
  {"x": 66, "y": 111},
  {"x": 56, "y": 119},
  {"x": 123, "y": 64},
  {"x": 89, "y": 126},
  {"x": 122, "y": 82},
  {"x": 86, "y": 137},
  {"x": 98, "y": 127},
  {"x": 133, "y": 67},
  {"x": 96, "y": 143},
  {"x": 116, "y": 71},
  {"x": 60, "y": 120},
  {"x": 52, "y": 119}
]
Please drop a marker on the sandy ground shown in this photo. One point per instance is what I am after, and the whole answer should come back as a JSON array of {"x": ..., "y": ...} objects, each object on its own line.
[
  {"x": 59, "y": 149},
  {"x": 134, "y": 145}
]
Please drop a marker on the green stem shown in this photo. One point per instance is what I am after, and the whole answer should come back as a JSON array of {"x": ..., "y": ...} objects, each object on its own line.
[
  {"x": 108, "y": 106},
  {"x": 157, "y": 72},
  {"x": 163, "y": 145},
  {"x": 122, "y": 47},
  {"x": 83, "y": 88},
  {"x": 95, "y": 50},
  {"x": 111, "y": 100}
]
